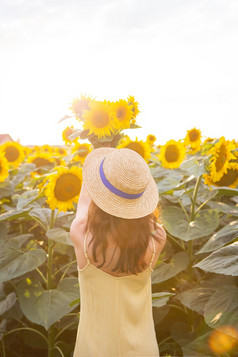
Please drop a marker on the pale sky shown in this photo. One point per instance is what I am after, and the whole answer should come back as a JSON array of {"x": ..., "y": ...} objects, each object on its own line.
[{"x": 179, "y": 58}]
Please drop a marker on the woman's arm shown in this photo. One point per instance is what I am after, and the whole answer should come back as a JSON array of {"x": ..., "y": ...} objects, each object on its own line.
[{"x": 83, "y": 203}]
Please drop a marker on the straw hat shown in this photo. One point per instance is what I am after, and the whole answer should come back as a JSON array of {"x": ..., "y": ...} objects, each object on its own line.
[{"x": 120, "y": 183}]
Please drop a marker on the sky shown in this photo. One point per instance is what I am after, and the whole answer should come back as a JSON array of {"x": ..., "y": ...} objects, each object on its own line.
[{"x": 178, "y": 58}]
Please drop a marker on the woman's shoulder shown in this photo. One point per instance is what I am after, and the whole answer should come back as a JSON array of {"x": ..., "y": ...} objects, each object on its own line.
[{"x": 77, "y": 229}]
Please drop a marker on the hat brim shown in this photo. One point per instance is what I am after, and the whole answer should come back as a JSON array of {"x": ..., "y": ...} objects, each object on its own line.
[{"x": 110, "y": 202}]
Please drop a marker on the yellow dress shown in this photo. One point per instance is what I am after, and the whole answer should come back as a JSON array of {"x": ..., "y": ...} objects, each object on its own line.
[{"x": 115, "y": 314}]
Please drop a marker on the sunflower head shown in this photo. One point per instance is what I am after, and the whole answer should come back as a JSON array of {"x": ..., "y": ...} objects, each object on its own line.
[
  {"x": 99, "y": 119},
  {"x": 150, "y": 139},
  {"x": 3, "y": 167},
  {"x": 172, "y": 154},
  {"x": 81, "y": 151},
  {"x": 13, "y": 152},
  {"x": 79, "y": 105},
  {"x": 41, "y": 160},
  {"x": 220, "y": 160},
  {"x": 122, "y": 114},
  {"x": 66, "y": 134},
  {"x": 140, "y": 146},
  {"x": 229, "y": 179},
  {"x": 134, "y": 105},
  {"x": 63, "y": 188},
  {"x": 193, "y": 138}
]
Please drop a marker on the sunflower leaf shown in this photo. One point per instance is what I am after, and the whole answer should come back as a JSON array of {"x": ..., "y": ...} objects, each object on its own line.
[
  {"x": 6, "y": 188},
  {"x": 222, "y": 237},
  {"x": 64, "y": 118},
  {"x": 174, "y": 220},
  {"x": 44, "y": 307},
  {"x": 222, "y": 261}
]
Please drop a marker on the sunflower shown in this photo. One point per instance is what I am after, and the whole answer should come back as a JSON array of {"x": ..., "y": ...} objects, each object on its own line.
[
  {"x": 79, "y": 105},
  {"x": 193, "y": 138},
  {"x": 81, "y": 151},
  {"x": 63, "y": 188},
  {"x": 150, "y": 139},
  {"x": 60, "y": 151},
  {"x": 98, "y": 120},
  {"x": 66, "y": 133},
  {"x": 172, "y": 154},
  {"x": 14, "y": 152},
  {"x": 123, "y": 114},
  {"x": 221, "y": 155},
  {"x": 230, "y": 178},
  {"x": 131, "y": 101},
  {"x": 46, "y": 148},
  {"x": 41, "y": 159},
  {"x": 140, "y": 146},
  {"x": 3, "y": 167}
]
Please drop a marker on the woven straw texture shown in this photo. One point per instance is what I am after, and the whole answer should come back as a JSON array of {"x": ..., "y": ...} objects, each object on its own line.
[{"x": 127, "y": 171}]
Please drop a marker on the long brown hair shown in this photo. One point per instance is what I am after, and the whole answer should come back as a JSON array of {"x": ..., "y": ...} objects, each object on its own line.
[{"x": 130, "y": 235}]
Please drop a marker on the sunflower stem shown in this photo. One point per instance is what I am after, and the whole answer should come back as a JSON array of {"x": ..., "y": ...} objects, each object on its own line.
[
  {"x": 50, "y": 285},
  {"x": 182, "y": 206},
  {"x": 192, "y": 217}
]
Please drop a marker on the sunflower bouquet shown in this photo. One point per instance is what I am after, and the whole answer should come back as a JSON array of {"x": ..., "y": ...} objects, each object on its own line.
[{"x": 103, "y": 121}]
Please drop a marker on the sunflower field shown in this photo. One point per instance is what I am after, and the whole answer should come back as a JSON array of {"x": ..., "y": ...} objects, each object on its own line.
[{"x": 194, "y": 284}]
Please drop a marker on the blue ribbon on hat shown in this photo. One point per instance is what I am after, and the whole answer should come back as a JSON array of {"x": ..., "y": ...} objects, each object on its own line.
[{"x": 113, "y": 189}]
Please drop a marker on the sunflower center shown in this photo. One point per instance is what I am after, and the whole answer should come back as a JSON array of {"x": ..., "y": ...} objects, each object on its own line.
[
  {"x": 193, "y": 135},
  {"x": 121, "y": 114},
  {"x": 67, "y": 187},
  {"x": 11, "y": 153},
  {"x": 100, "y": 119},
  {"x": 136, "y": 147},
  {"x": 229, "y": 178},
  {"x": 172, "y": 153},
  {"x": 61, "y": 151},
  {"x": 40, "y": 161},
  {"x": 222, "y": 157}
]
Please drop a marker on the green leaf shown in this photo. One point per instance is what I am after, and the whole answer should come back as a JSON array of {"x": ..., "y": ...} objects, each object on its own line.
[
  {"x": 198, "y": 347},
  {"x": 14, "y": 214},
  {"x": 42, "y": 215},
  {"x": 26, "y": 198},
  {"x": 224, "y": 208},
  {"x": 169, "y": 183},
  {"x": 166, "y": 271},
  {"x": 6, "y": 188},
  {"x": 44, "y": 307},
  {"x": 14, "y": 262},
  {"x": 25, "y": 170},
  {"x": 59, "y": 235},
  {"x": 18, "y": 241},
  {"x": 222, "y": 307},
  {"x": 193, "y": 166},
  {"x": 160, "y": 299},
  {"x": 197, "y": 298},
  {"x": 7, "y": 303},
  {"x": 3, "y": 230},
  {"x": 222, "y": 261},
  {"x": 224, "y": 236},
  {"x": 226, "y": 191},
  {"x": 75, "y": 135},
  {"x": 176, "y": 223}
]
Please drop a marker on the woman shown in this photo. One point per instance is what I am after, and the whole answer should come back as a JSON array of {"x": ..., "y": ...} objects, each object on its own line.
[{"x": 117, "y": 243}]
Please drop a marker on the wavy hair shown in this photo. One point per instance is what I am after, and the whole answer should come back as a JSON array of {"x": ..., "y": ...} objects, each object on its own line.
[{"x": 130, "y": 235}]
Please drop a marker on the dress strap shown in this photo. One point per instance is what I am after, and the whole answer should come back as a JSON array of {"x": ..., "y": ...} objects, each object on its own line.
[
  {"x": 154, "y": 252},
  {"x": 84, "y": 246}
]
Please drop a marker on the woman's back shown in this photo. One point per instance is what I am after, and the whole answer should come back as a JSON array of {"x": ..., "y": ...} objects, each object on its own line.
[{"x": 115, "y": 312}]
